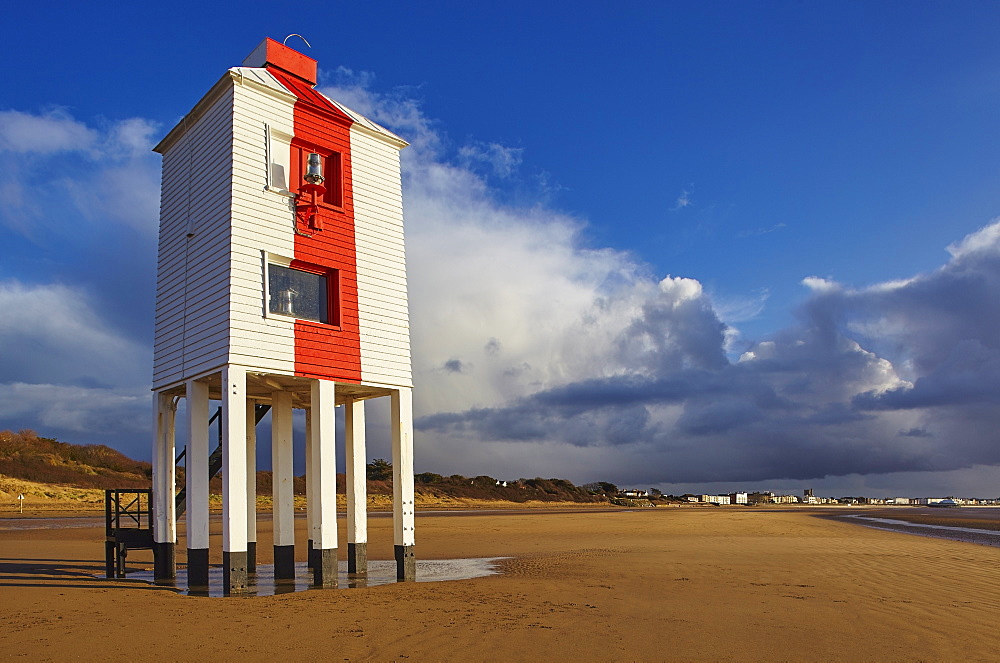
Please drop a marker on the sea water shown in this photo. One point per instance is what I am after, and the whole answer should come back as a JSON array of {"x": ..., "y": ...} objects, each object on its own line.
[{"x": 984, "y": 537}]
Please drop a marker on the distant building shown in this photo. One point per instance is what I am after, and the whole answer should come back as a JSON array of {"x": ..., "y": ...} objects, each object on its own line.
[{"x": 739, "y": 498}]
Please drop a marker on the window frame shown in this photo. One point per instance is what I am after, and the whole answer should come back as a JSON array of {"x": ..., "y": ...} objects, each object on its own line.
[
  {"x": 333, "y": 292},
  {"x": 333, "y": 172},
  {"x": 276, "y": 142}
]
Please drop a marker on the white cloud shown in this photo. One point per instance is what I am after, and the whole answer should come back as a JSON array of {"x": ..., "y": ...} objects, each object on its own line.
[
  {"x": 55, "y": 172},
  {"x": 738, "y": 309},
  {"x": 45, "y": 133},
  {"x": 820, "y": 285},
  {"x": 514, "y": 279},
  {"x": 502, "y": 161},
  {"x": 683, "y": 200},
  {"x": 131, "y": 138},
  {"x": 986, "y": 239}
]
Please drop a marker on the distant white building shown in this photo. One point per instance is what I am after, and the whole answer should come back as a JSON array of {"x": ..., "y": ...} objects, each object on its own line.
[{"x": 739, "y": 498}]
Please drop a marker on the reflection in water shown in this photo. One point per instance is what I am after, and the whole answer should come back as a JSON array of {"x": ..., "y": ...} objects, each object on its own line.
[{"x": 380, "y": 572}]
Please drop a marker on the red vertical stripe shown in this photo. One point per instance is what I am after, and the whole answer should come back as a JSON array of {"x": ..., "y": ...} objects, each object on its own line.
[{"x": 331, "y": 352}]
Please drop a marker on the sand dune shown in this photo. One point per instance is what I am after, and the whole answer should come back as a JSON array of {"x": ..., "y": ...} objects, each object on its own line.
[{"x": 663, "y": 584}]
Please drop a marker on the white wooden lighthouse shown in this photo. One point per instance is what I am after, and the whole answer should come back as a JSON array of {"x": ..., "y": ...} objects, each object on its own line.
[{"x": 281, "y": 282}]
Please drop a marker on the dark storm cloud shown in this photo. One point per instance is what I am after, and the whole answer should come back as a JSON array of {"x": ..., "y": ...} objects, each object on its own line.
[
  {"x": 720, "y": 416},
  {"x": 896, "y": 377},
  {"x": 455, "y": 366}
]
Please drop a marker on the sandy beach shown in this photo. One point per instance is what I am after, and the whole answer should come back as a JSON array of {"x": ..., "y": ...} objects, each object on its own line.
[{"x": 652, "y": 584}]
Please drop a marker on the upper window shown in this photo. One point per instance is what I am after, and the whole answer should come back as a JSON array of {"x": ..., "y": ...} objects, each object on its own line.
[
  {"x": 287, "y": 164},
  {"x": 279, "y": 150},
  {"x": 332, "y": 171},
  {"x": 304, "y": 293}
]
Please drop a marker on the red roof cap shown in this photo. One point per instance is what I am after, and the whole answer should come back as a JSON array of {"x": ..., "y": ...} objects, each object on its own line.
[{"x": 270, "y": 53}]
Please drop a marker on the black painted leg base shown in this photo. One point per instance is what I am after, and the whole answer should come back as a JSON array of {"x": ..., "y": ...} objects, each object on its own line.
[
  {"x": 284, "y": 562},
  {"x": 313, "y": 556},
  {"x": 406, "y": 563},
  {"x": 164, "y": 562},
  {"x": 115, "y": 554},
  {"x": 357, "y": 558},
  {"x": 234, "y": 572},
  {"x": 252, "y": 557},
  {"x": 325, "y": 569},
  {"x": 197, "y": 567},
  {"x": 111, "y": 559}
]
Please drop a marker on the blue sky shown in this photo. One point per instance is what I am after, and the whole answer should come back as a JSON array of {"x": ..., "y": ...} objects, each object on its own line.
[{"x": 798, "y": 171}]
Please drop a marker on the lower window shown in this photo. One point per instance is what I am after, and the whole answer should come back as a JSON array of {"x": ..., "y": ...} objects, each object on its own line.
[{"x": 303, "y": 293}]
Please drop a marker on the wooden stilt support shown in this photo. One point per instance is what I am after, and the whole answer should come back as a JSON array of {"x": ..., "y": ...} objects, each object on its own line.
[
  {"x": 251, "y": 489},
  {"x": 234, "y": 477},
  {"x": 164, "y": 487},
  {"x": 196, "y": 479},
  {"x": 402, "y": 483},
  {"x": 357, "y": 494},
  {"x": 324, "y": 472},
  {"x": 282, "y": 490}
]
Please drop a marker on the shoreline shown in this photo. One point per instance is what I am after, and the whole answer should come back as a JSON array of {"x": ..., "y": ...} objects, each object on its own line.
[{"x": 985, "y": 537}]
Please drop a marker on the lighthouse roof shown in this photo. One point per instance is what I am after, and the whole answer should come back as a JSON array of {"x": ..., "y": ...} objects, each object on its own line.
[{"x": 284, "y": 72}]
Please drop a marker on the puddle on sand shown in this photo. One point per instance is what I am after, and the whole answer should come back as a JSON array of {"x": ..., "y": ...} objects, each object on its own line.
[{"x": 380, "y": 572}]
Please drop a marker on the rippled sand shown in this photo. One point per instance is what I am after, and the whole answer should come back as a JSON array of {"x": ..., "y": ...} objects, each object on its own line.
[{"x": 653, "y": 584}]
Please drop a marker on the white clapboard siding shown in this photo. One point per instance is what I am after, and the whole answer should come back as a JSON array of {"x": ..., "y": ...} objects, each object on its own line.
[
  {"x": 210, "y": 307},
  {"x": 191, "y": 323},
  {"x": 381, "y": 264},
  {"x": 262, "y": 224}
]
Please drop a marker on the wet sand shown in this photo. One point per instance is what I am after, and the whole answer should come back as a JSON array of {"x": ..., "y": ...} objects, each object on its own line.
[{"x": 651, "y": 584}]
